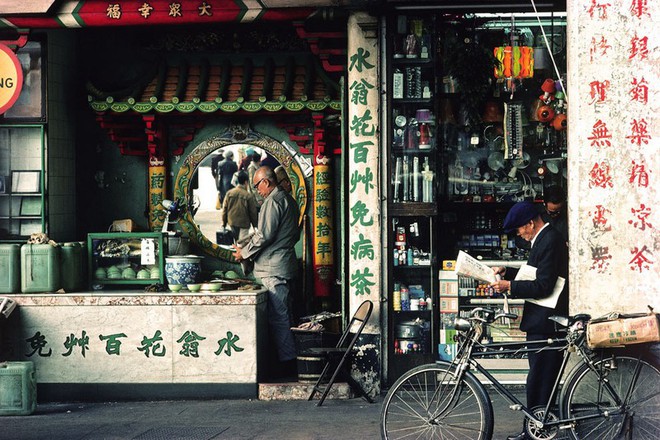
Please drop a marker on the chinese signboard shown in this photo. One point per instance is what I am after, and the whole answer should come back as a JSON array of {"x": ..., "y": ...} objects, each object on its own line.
[
  {"x": 155, "y": 343},
  {"x": 364, "y": 266},
  {"x": 613, "y": 154},
  {"x": 11, "y": 78}
]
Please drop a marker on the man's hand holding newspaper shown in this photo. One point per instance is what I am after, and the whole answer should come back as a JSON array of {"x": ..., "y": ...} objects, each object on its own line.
[{"x": 471, "y": 267}]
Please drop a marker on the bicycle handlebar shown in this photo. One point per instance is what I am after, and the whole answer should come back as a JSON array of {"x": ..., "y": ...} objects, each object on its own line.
[{"x": 487, "y": 315}]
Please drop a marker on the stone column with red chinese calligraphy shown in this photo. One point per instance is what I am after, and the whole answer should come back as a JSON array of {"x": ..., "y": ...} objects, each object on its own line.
[
  {"x": 614, "y": 160},
  {"x": 363, "y": 216}
]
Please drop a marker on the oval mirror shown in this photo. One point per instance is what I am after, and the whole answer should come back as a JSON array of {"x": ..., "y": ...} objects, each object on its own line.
[{"x": 196, "y": 185}]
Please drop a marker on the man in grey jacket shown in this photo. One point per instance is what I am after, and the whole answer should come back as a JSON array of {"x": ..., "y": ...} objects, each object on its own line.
[{"x": 275, "y": 263}]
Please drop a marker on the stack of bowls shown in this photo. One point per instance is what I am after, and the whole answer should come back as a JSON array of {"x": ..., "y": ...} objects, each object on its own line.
[
  {"x": 128, "y": 273},
  {"x": 155, "y": 272},
  {"x": 100, "y": 273},
  {"x": 113, "y": 273}
]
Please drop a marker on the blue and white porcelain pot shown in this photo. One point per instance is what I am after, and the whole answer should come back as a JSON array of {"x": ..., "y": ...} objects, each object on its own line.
[{"x": 183, "y": 269}]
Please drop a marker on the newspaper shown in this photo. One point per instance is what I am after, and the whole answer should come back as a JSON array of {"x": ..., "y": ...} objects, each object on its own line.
[
  {"x": 471, "y": 267},
  {"x": 528, "y": 273}
]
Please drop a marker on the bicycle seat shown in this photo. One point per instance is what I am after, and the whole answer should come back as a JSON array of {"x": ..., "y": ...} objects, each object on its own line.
[
  {"x": 564, "y": 321},
  {"x": 580, "y": 317},
  {"x": 567, "y": 321}
]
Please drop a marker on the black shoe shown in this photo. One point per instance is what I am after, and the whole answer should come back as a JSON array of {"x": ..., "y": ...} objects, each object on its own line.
[{"x": 521, "y": 436}]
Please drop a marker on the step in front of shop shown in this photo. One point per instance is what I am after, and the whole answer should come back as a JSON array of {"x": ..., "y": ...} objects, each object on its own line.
[{"x": 301, "y": 391}]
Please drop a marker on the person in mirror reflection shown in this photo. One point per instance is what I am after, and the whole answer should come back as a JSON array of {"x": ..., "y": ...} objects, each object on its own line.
[
  {"x": 271, "y": 247},
  {"x": 549, "y": 255},
  {"x": 554, "y": 201},
  {"x": 226, "y": 169},
  {"x": 251, "y": 169},
  {"x": 239, "y": 209},
  {"x": 283, "y": 179},
  {"x": 247, "y": 160}
]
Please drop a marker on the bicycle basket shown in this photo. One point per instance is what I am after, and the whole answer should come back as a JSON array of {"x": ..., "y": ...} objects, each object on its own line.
[{"x": 617, "y": 330}]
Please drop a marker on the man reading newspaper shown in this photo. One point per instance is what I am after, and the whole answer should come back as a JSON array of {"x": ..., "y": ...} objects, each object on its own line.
[{"x": 543, "y": 287}]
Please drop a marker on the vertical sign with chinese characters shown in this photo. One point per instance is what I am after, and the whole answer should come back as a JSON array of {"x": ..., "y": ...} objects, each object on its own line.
[
  {"x": 322, "y": 216},
  {"x": 614, "y": 165},
  {"x": 363, "y": 216},
  {"x": 156, "y": 192}
]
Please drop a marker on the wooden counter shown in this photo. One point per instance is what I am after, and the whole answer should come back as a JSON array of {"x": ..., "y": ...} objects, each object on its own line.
[{"x": 134, "y": 345}]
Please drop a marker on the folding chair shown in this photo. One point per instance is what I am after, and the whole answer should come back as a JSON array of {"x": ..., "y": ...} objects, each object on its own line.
[{"x": 345, "y": 349}]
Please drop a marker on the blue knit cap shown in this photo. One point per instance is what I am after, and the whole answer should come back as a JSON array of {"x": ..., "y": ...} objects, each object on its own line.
[{"x": 519, "y": 214}]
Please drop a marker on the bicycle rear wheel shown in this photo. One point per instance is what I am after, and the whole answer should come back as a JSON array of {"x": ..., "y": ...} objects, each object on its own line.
[
  {"x": 427, "y": 403},
  {"x": 639, "y": 414}
]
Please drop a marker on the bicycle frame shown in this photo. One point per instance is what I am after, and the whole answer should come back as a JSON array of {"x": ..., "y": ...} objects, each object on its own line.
[{"x": 467, "y": 359}]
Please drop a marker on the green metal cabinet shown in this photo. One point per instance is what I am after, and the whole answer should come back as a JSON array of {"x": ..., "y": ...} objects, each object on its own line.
[{"x": 122, "y": 250}]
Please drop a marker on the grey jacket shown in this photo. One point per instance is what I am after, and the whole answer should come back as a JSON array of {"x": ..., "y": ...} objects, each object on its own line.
[{"x": 272, "y": 245}]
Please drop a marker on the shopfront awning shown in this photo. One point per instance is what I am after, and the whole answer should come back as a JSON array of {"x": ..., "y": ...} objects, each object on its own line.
[
  {"x": 225, "y": 84},
  {"x": 183, "y": 90}
]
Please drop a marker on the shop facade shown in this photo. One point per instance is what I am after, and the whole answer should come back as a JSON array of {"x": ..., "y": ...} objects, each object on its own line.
[{"x": 416, "y": 167}]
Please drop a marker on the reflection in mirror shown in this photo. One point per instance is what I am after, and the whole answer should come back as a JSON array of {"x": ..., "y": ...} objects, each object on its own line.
[
  {"x": 196, "y": 185},
  {"x": 214, "y": 178}
]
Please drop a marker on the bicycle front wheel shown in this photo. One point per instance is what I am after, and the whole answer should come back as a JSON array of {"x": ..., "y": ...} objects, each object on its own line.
[
  {"x": 632, "y": 407},
  {"x": 428, "y": 403}
]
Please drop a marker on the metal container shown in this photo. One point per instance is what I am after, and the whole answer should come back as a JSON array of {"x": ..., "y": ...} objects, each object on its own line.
[
  {"x": 40, "y": 268},
  {"x": 18, "y": 388},
  {"x": 71, "y": 267},
  {"x": 408, "y": 330},
  {"x": 10, "y": 268}
]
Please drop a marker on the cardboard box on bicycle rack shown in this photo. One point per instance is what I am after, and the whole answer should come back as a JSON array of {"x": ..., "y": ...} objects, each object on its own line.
[{"x": 623, "y": 330}]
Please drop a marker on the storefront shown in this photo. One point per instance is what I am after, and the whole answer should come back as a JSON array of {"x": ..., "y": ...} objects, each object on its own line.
[
  {"x": 438, "y": 141},
  {"x": 132, "y": 116}
]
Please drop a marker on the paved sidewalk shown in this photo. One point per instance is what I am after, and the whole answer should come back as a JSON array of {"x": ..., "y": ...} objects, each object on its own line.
[{"x": 215, "y": 419}]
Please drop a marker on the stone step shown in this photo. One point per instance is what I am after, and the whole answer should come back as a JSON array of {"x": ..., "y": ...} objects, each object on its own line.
[{"x": 301, "y": 391}]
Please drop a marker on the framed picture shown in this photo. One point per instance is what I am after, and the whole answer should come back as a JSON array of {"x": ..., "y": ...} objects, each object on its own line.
[
  {"x": 31, "y": 206},
  {"x": 29, "y": 227},
  {"x": 3, "y": 184},
  {"x": 26, "y": 181}
]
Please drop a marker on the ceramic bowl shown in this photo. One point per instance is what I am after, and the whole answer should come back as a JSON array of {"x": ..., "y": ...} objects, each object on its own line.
[
  {"x": 194, "y": 287},
  {"x": 212, "y": 287},
  {"x": 182, "y": 270},
  {"x": 175, "y": 287}
]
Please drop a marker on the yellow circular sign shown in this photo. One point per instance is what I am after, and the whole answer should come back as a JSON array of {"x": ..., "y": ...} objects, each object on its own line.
[{"x": 11, "y": 78}]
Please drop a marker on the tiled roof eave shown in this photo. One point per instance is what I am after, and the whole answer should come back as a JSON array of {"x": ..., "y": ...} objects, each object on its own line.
[{"x": 109, "y": 105}]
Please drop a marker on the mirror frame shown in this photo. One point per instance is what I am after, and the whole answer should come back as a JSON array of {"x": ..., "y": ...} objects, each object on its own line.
[{"x": 233, "y": 135}]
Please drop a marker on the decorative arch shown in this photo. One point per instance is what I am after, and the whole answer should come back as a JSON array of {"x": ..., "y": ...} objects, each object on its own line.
[{"x": 235, "y": 134}]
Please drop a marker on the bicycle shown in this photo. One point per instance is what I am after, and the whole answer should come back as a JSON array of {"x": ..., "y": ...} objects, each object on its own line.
[{"x": 608, "y": 393}]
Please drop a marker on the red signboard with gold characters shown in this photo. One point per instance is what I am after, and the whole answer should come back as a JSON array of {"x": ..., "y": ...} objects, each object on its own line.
[
  {"x": 85, "y": 13},
  {"x": 322, "y": 215}
]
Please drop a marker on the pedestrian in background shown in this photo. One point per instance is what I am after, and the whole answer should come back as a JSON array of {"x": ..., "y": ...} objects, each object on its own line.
[
  {"x": 554, "y": 201},
  {"x": 283, "y": 179},
  {"x": 239, "y": 209},
  {"x": 226, "y": 169}
]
